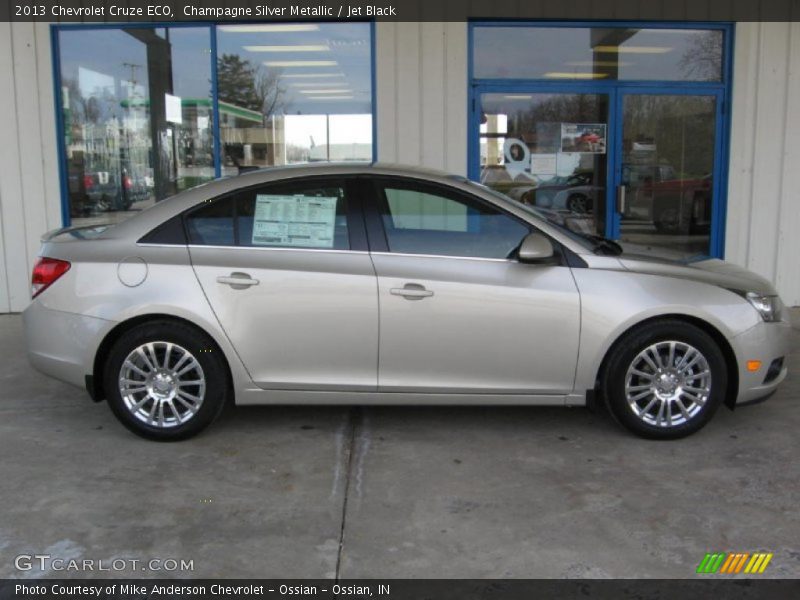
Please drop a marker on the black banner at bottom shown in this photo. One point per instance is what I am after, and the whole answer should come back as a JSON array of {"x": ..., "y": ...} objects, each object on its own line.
[{"x": 398, "y": 589}]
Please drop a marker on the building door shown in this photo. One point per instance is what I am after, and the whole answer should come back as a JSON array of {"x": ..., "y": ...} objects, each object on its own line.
[
  {"x": 549, "y": 149},
  {"x": 666, "y": 190},
  {"x": 611, "y": 129}
]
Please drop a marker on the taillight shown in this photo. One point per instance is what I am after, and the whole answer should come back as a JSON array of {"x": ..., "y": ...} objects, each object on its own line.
[
  {"x": 127, "y": 182},
  {"x": 88, "y": 182},
  {"x": 45, "y": 272}
]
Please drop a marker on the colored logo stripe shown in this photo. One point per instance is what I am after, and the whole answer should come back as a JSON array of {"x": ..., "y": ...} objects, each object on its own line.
[
  {"x": 758, "y": 563},
  {"x": 734, "y": 563},
  {"x": 722, "y": 562},
  {"x": 711, "y": 562}
]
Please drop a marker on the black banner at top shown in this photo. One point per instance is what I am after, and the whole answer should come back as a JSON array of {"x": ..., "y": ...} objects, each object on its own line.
[{"x": 98, "y": 11}]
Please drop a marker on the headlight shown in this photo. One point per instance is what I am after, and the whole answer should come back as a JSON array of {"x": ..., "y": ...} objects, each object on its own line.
[{"x": 769, "y": 307}]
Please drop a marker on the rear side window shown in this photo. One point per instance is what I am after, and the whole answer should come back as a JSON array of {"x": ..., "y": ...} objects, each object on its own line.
[
  {"x": 428, "y": 220},
  {"x": 306, "y": 214}
]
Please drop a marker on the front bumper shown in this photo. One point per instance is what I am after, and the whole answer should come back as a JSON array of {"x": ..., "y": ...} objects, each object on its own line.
[
  {"x": 62, "y": 344},
  {"x": 765, "y": 342}
]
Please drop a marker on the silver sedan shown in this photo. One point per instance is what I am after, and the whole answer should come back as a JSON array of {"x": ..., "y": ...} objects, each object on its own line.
[{"x": 372, "y": 284}]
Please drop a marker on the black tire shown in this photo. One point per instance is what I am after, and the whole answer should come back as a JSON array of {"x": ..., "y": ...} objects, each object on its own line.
[
  {"x": 578, "y": 204},
  {"x": 200, "y": 347},
  {"x": 667, "y": 222},
  {"x": 629, "y": 348}
]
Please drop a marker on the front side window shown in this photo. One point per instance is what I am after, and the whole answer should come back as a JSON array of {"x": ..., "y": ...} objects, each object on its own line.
[
  {"x": 307, "y": 215},
  {"x": 421, "y": 220}
]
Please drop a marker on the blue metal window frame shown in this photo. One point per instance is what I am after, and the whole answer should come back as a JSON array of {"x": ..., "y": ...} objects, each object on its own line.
[
  {"x": 55, "y": 55},
  {"x": 616, "y": 91}
]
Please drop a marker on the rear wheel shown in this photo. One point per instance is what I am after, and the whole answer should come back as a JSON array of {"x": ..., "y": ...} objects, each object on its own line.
[
  {"x": 165, "y": 381},
  {"x": 665, "y": 380}
]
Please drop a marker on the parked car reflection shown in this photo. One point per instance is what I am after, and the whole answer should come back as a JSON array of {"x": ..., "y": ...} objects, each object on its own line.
[
  {"x": 575, "y": 193},
  {"x": 673, "y": 204}
]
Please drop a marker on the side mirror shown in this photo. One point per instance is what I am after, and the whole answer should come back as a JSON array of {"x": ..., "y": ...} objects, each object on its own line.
[{"x": 536, "y": 248}]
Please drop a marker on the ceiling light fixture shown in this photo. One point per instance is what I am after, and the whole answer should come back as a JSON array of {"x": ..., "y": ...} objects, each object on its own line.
[
  {"x": 310, "y": 75},
  {"x": 597, "y": 63},
  {"x": 303, "y": 84},
  {"x": 300, "y": 48},
  {"x": 301, "y": 63},
  {"x": 556, "y": 75},
  {"x": 632, "y": 49},
  {"x": 288, "y": 28},
  {"x": 328, "y": 91}
]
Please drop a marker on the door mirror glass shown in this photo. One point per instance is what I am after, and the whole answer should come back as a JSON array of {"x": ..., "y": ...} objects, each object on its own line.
[{"x": 535, "y": 248}]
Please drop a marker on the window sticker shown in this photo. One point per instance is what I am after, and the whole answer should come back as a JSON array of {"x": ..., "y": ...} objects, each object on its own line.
[{"x": 303, "y": 221}]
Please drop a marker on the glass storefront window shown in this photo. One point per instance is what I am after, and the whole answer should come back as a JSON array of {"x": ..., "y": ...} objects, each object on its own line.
[
  {"x": 137, "y": 116},
  {"x": 609, "y": 130},
  {"x": 597, "y": 53},
  {"x": 548, "y": 151},
  {"x": 294, "y": 93},
  {"x": 668, "y": 172},
  {"x": 138, "y": 108}
]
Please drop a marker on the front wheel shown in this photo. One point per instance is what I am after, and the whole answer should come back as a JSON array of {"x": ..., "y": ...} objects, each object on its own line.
[
  {"x": 665, "y": 380},
  {"x": 165, "y": 381},
  {"x": 579, "y": 204}
]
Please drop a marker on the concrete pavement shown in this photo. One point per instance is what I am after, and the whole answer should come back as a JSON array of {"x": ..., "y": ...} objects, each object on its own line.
[{"x": 391, "y": 491}]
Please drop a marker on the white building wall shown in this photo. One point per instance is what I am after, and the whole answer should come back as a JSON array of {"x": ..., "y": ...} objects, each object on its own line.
[
  {"x": 421, "y": 88},
  {"x": 421, "y": 101},
  {"x": 763, "y": 220},
  {"x": 30, "y": 202}
]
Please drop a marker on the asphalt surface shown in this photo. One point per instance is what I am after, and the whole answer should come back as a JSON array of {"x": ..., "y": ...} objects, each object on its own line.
[{"x": 390, "y": 492}]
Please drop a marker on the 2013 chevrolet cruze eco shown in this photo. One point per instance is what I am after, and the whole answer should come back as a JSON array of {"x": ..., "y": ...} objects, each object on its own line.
[{"x": 375, "y": 284}]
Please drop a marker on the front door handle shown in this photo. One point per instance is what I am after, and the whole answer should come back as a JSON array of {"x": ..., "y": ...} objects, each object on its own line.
[
  {"x": 411, "y": 291},
  {"x": 238, "y": 281}
]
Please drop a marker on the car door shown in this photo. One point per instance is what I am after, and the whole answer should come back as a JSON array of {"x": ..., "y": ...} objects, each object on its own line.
[
  {"x": 458, "y": 313},
  {"x": 286, "y": 269}
]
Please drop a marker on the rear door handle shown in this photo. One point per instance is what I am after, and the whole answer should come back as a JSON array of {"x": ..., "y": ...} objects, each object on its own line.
[
  {"x": 238, "y": 281},
  {"x": 411, "y": 291}
]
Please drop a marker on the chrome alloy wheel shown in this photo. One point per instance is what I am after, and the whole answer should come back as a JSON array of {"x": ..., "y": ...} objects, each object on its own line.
[
  {"x": 162, "y": 384},
  {"x": 668, "y": 383}
]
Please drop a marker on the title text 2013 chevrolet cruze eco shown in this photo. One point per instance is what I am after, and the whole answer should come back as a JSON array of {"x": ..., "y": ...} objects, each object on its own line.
[{"x": 373, "y": 284}]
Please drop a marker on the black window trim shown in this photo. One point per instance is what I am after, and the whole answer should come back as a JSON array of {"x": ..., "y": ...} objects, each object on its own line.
[{"x": 174, "y": 230}]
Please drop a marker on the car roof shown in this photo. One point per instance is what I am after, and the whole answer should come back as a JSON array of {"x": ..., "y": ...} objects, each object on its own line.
[
  {"x": 169, "y": 207},
  {"x": 336, "y": 168},
  {"x": 147, "y": 220}
]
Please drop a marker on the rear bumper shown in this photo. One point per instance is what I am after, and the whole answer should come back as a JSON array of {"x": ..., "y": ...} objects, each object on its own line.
[
  {"x": 765, "y": 342},
  {"x": 62, "y": 344}
]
